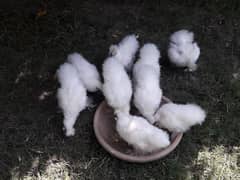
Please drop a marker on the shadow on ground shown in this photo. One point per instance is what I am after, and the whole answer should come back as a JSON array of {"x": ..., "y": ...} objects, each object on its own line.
[{"x": 31, "y": 48}]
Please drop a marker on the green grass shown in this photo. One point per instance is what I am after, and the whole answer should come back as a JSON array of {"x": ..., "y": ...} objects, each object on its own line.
[{"x": 32, "y": 145}]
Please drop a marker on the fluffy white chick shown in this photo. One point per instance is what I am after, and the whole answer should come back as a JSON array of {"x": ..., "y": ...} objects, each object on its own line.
[
  {"x": 125, "y": 51},
  {"x": 146, "y": 75},
  {"x": 117, "y": 87},
  {"x": 179, "y": 117},
  {"x": 72, "y": 96},
  {"x": 183, "y": 51},
  {"x": 87, "y": 72},
  {"x": 139, "y": 133}
]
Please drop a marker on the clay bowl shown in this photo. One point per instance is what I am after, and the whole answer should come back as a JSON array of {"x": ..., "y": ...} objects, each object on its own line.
[{"x": 104, "y": 127}]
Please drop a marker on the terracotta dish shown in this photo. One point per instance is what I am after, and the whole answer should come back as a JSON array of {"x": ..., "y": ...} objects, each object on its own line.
[{"x": 104, "y": 128}]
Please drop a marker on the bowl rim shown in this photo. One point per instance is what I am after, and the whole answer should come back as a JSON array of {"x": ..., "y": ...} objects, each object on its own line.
[{"x": 129, "y": 158}]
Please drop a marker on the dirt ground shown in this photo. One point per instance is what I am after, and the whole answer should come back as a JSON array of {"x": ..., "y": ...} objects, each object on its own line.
[{"x": 32, "y": 145}]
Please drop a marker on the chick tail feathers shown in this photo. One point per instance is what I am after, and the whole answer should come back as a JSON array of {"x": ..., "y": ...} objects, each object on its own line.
[
  {"x": 198, "y": 117},
  {"x": 68, "y": 123}
]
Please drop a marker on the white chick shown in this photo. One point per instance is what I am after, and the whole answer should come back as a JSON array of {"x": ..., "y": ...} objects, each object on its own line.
[
  {"x": 125, "y": 51},
  {"x": 183, "y": 51},
  {"x": 146, "y": 75},
  {"x": 72, "y": 96},
  {"x": 87, "y": 72},
  {"x": 139, "y": 133},
  {"x": 117, "y": 87},
  {"x": 179, "y": 117}
]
